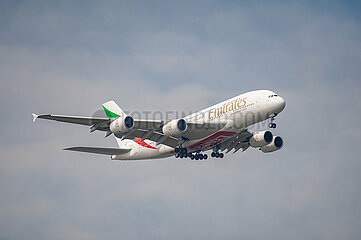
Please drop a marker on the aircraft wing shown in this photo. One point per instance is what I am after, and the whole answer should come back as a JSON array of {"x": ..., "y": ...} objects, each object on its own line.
[
  {"x": 87, "y": 121},
  {"x": 99, "y": 123},
  {"x": 99, "y": 150},
  {"x": 143, "y": 128},
  {"x": 239, "y": 141}
]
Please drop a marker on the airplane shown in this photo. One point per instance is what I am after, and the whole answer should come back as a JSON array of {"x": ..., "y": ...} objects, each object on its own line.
[{"x": 221, "y": 127}]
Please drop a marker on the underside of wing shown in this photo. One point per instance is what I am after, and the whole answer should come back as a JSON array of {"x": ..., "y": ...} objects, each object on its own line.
[
  {"x": 143, "y": 128},
  {"x": 99, "y": 150},
  {"x": 148, "y": 124},
  {"x": 239, "y": 141},
  {"x": 87, "y": 121}
]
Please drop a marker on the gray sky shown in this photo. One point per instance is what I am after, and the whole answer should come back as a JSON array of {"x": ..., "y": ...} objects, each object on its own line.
[{"x": 68, "y": 58}]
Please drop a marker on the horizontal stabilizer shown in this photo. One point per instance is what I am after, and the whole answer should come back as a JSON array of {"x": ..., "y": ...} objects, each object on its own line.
[{"x": 99, "y": 150}]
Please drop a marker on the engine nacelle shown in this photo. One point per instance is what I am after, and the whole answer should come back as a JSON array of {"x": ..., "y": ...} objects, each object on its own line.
[
  {"x": 275, "y": 145},
  {"x": 175, "y": 127},
  {"x": 122, "y": 125},
  {"x": 260, "y": 139}
]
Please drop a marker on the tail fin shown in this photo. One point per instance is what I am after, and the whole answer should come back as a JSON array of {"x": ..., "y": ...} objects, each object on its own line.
[{"x": 112, "y": 110}]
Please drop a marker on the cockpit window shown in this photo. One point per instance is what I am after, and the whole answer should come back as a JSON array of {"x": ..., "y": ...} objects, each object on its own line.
[{"x": 275, "y": 95}]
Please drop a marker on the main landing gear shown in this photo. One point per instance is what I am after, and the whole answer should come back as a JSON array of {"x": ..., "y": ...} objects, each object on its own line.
[
  {"x": 217, "y": 155},
  {"x": 182, "y": 153},
  {"x": 272, "y": 124}
]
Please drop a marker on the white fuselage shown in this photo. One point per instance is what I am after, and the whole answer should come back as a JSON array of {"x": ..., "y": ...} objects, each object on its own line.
[{"x": 235, "y": 115}]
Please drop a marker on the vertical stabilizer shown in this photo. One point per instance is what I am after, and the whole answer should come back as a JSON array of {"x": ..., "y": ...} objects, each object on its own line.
[{"x": 112, "y": 110}]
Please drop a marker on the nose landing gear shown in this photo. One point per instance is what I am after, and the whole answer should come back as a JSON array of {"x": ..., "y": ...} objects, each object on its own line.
[{"x": 272, "y": 118}]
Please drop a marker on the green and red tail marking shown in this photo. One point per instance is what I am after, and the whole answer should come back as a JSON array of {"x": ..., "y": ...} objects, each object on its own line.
[{"x": 110, "y": 114}]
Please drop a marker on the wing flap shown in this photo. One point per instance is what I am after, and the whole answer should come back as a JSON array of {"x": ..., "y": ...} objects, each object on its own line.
[
  {"x": 99, "y": 150},
  {"x": 148, "y": 124},
  {"x": 241, "y": 140}
]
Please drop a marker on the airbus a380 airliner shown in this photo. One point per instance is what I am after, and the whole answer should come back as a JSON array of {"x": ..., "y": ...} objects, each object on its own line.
[{"x": 219, "y": 128}]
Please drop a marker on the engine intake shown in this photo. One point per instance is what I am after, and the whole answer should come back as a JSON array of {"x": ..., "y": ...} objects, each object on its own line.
[
  {"x": 260, "y": 139},
  {"x": 275, "y": 145},
  {"x": 122, "y": 125},
  {"x": 175, "y": 127}
]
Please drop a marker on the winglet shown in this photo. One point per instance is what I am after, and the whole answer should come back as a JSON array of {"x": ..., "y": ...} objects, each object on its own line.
[{"x": 34, "y": 117}]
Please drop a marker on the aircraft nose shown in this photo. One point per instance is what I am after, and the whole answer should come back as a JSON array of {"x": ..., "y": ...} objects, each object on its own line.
[{"x": 281, "y": 104}]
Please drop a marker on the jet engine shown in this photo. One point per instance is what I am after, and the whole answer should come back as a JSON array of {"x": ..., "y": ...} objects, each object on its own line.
[
  {"x": 122, "y": 125},
  {"x": 175, "y": 127},
  {"x": 260, "y": 139},
  {"x": 275, "y": 145}
]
